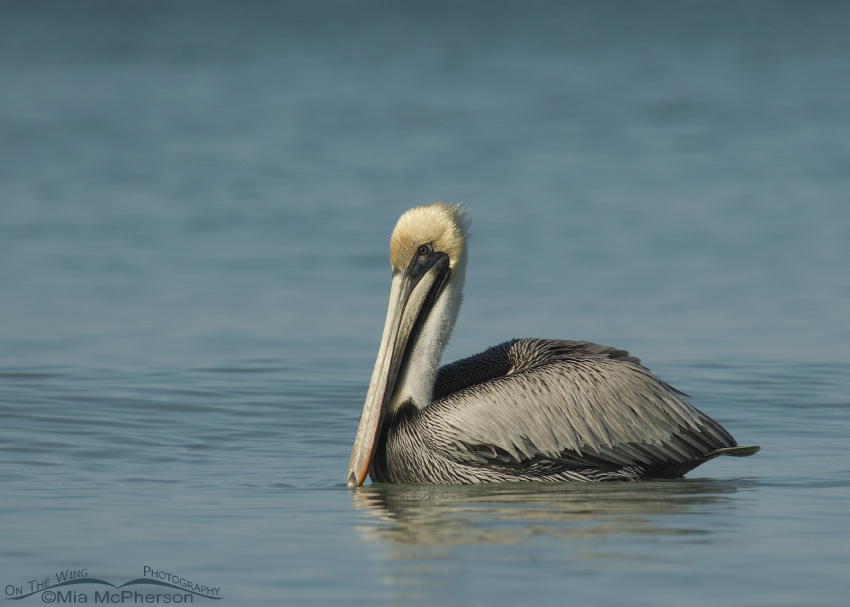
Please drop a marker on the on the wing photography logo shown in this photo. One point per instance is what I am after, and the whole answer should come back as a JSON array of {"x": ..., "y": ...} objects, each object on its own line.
[{"x": 75, "y": 587}]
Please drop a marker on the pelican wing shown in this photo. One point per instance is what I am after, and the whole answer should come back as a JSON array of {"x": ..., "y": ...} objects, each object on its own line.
[{"x": 532, "y": 403}]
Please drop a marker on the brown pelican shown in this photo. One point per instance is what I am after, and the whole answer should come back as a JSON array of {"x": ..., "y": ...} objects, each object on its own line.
[{"x": 525, "y": 410}]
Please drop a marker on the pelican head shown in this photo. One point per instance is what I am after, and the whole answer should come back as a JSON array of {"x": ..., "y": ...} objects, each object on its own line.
[{"x": 428, "y": 259}]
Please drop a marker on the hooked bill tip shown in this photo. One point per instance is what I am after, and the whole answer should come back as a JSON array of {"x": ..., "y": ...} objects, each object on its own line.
[{"x": 352, "y": 480}]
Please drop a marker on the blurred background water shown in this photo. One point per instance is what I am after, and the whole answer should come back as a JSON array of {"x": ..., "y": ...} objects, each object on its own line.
[{"x": 195, "y": 205}]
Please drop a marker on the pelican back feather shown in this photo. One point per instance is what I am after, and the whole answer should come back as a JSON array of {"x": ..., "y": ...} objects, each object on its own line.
[{"x": 555, "y": 410}]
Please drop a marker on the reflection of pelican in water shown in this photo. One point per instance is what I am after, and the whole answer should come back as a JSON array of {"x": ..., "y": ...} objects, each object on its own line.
[
  {"x": 434, "y": 515},
  {"x": 529, "y": 409}
]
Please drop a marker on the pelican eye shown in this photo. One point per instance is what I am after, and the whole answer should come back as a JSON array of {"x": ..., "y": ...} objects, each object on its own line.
[{"x": 425, "y": 249}]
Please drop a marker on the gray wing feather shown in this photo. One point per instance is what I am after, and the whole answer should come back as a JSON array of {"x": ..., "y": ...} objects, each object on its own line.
[{"x": 574, "y": 402}]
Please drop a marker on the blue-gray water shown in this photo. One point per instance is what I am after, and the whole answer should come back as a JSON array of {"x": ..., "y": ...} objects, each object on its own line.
[{"x": 195, "y": 205}]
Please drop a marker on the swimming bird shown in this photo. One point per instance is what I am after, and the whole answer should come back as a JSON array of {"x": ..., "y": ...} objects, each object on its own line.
[{"x": 524, "y": 410}]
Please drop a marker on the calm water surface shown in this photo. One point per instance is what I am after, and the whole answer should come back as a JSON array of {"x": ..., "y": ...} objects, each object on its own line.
[{"x": 195, "y": 206}]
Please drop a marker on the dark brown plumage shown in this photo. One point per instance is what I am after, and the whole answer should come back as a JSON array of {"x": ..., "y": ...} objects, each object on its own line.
[{"x": 606, "y": 418}]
